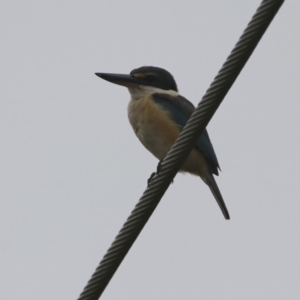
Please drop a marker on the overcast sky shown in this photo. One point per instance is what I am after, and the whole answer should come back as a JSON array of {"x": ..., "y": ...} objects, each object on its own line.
[{"x": 72, "y": 170}]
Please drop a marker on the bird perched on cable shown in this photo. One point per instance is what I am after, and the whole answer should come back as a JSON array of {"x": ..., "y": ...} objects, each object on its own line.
[{"x": 158, "y": 113}]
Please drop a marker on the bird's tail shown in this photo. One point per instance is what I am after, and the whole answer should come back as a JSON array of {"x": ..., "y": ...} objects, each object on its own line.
[{"x": 217, "y": 194}]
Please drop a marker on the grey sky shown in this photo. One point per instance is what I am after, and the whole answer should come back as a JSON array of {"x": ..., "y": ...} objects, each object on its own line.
[{"x": 71, "y": 169}]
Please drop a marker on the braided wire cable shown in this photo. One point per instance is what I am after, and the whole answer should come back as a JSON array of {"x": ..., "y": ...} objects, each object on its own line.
[{"x": 181, "y": 149}]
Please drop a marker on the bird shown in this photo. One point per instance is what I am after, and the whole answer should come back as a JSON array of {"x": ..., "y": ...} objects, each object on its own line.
[{"x": 158, "y": 113}]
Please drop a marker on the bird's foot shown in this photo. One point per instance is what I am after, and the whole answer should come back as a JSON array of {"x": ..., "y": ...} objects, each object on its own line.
[
  {"x": 158, "y": 167},
  {"x": 150, "y": 178},
  {"x": 156, "y": 173}
]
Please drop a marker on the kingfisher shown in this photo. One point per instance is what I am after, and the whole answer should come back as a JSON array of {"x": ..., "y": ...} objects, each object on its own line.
[{"x": 158, "y": 113}]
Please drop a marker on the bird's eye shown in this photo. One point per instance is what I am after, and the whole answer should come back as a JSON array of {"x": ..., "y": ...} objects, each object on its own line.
[{"x": 150, "y": 78}]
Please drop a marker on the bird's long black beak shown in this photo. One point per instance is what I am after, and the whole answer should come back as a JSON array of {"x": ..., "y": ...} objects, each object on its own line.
[{"x": 120, "y": 79}]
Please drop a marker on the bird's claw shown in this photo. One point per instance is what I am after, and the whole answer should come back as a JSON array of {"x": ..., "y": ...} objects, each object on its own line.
[
  {"x": 158, "y": 167},
  {"x": 150, "y": 178},
  {"x": 156, "y": 173}
]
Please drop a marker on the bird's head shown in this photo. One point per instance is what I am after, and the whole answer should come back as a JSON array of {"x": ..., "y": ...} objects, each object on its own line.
[{"x": 143, "y": 80}]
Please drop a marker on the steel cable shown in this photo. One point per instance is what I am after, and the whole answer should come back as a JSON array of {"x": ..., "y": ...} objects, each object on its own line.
[{"x": 180, "y": 150}]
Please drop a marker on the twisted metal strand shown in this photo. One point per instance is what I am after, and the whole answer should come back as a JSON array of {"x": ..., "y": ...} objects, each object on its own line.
[{"x": 180, "y": 150}]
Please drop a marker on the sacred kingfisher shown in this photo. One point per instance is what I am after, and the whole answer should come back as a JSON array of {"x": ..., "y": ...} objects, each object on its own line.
[{"x": 158, "y": 113}]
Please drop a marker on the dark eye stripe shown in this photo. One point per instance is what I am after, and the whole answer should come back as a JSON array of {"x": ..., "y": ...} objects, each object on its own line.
[{"x": 150, "y": 78}]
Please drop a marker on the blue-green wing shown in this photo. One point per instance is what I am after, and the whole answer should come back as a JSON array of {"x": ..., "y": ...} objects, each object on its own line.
[{"x": 180, "y": 110}]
